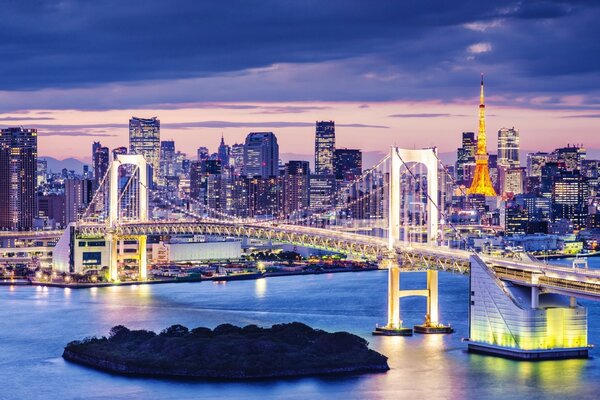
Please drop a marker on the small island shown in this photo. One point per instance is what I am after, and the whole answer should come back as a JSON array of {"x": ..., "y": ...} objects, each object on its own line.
[{"x": 227, "y": 352}]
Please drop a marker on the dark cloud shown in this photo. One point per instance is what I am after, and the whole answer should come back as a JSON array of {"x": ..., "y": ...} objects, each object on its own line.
[
  {"x": 116, "y": 54},
  {"x": 7, "y": 119},
  {"x": 269, "y": 124},
  {"x": 577, "y": 116}
]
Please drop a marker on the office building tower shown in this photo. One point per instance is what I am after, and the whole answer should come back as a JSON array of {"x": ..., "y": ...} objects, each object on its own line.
[
  {"x": 144, "y": 139},
  {"x": 321, "y": 192},
  {"x": 224, "y": 153},
  {"x": 465, "y": 158},
  {"x": 516, "y": 218},
  {"x": 482, "y": 183},
  {"x": 508, "y": 148},
  {"x": 570, "y": 156},
  {"x": 101, "y": 161},
  {"x": 512, "y": 180},
  {"x": 535, "y": 162},
  {"x": 18, "y": 176},
  {"x": 167, "y": 160},
  {"x": 51, "y": 207},
  {"x": 236, "y": 159},
  {"x": 295, "y": 188},
  {"x": 264, "y": 196},
  {"x": 569, "y": 199},
  {"x": 261, "y": 155},
  {"x": 347, "y": 164},
  {"x": 324, "y": 147}
]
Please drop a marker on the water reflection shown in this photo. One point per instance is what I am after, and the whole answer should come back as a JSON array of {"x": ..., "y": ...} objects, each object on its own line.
[{"x": 260, "y": 287}]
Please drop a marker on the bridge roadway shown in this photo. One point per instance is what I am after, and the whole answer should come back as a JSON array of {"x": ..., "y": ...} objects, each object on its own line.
[
  {"x": 577, "y": 282},
  {"x": 550, "y": 278}
]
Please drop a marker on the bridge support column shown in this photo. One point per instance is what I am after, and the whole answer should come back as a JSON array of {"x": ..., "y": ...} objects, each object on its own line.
[
  {"x": 432, "y": 318},
  {"x": 394, "y": 323},
  {"x": 143, "y": 257},
  {"x": 113, "y": 272},
  {"x": 535, "y": 297}
]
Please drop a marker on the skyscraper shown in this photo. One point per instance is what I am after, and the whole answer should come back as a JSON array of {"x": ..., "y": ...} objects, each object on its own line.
[
  {"x": 465, "y": 157},
  {"x": 101, "y": 161},
  {"x": 324, "y": 147},
  {"x": 167, "y": 159},
  {"x": 295, "y": 188},
  {"x": 347, "y": 164},
  {"x": 202, "y": 153},
  {"x": 261, "y": 155},
  {"x": 482, "y": 183},
  {"x": 508, "y": 148},
  {"x": 144, "y": 139},
  {"x": 223, "y": 153},
  {"x": 237, "y": 158},
  {"x": 18, "y": 175}
]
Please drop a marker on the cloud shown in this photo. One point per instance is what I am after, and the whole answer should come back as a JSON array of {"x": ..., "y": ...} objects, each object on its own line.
[
  {"x": 75, "y": 133},
  {"x": 577, "y": 116},
  {"x": 8, "y": 119},
  {"x": 86, "y": 56},
  {"x": 482, "y": 47},
  {"x": 266, "y": 124}
]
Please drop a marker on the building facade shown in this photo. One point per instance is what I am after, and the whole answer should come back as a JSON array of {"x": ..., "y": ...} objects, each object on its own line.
[
  {"x": 144, "y": 139},
  {"x": 324, "y": 147},
  {"x": 18, "y": 178}
]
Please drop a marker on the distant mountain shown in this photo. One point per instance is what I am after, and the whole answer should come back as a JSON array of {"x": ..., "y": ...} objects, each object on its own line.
[{"x": 70, "y": 163}]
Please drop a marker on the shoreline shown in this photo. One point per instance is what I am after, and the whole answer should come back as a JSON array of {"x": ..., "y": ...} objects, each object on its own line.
[{"x": 226, "y": 278}]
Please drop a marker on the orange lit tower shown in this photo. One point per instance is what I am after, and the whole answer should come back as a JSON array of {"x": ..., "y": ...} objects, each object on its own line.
[{"x": 482, "y": 184}]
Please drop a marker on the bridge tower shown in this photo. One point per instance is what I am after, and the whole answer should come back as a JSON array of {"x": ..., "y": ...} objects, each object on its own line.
[
  {"x": 402, "y": 159},
  {"x": 138, "y": 210}
]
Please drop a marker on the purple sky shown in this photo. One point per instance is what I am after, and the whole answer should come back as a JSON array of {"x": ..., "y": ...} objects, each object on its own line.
[{"x": 403, "y": 73}]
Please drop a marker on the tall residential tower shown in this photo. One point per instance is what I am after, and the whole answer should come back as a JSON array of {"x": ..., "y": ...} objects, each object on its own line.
[{"x": 18, "y": 170}]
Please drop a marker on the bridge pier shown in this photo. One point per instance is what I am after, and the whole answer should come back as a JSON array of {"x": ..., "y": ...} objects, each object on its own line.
[
  {"x": 394, "y": 323},
  {"x": 113, "y": 270},
  {"x": 432, "y": 319},
  {"x": 143, "y": 268}
]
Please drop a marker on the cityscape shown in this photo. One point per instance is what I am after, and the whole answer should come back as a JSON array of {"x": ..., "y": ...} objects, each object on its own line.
[{"x": 366, "y": 243}]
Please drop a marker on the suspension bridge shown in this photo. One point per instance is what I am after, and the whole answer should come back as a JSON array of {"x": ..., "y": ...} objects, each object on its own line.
[{"x": 395, "y": 214}]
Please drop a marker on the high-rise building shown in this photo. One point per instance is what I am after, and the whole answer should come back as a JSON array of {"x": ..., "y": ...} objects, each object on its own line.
[
  {"x": 512, "y": 180},
  {"x": 18, "y": 176},
  {"x": 465, "y": 158},
  {"x": 144, "y": 139},
  {"x": 570, "y": 156},
  {"x": 101, "y": 161},
  {"x": 264, "y": 196},
  {"x": 347, "y": 164},
  {"x": 261, "y": 155},
  {"x": 167, "y": 159},
  {"x": 202, "y": 153},
  {"x": 535, "y": 162},
  {"x": 224, "y": 153},
  {"x": 508, "y": 148},
  {"x": 236, "y": 159},
  {"x": 295, "y": 188},
  {"x": 482, "y": 183},
  {"x": 321, "y": 192},
  {"x": 324, "y": 147},
  {"x": 569, "y": 199}
]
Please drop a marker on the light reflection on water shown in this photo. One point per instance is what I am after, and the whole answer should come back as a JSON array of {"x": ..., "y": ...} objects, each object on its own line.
[{"x": 37, "y": 323}]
